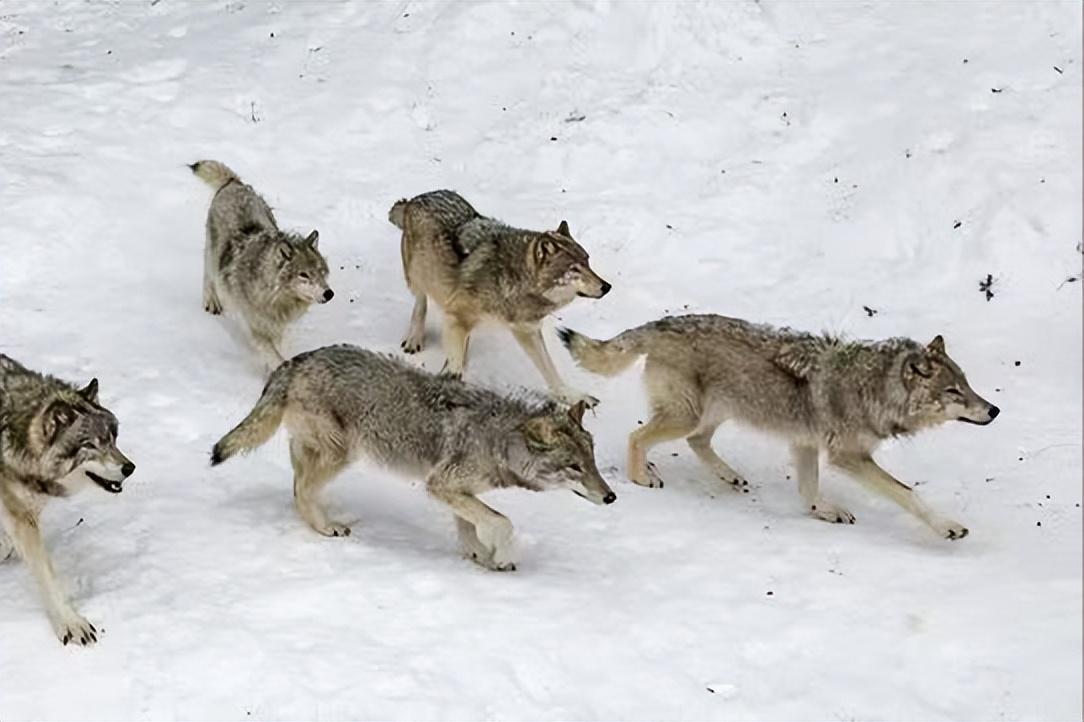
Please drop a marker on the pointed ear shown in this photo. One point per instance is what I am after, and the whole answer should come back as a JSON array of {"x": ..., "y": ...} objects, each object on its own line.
[
  {"x": 90, "y": 391},
  {"x": 937, "y": 345},
  {"x": 537, "y": 432},
  {"x": 562, "y": 230},
  {"x": 576, "y": 412},
  {"x": 916, "y": 366},
  {"x": 543, "y": 249},
  {"x": 313, "y": 239},
  {"x": 286, "y": 251},
  {"x": 56, "y": 418}
]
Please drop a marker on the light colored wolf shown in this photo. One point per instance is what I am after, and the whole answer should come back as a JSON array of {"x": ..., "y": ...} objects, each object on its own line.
[
  {"x": 340, "y": 402},
  {"x": 54, "y": 441},
  {"x": 270, "y": 277},
  {"x": 477, "y": 268},
  {"x": 818, "y": 392}
]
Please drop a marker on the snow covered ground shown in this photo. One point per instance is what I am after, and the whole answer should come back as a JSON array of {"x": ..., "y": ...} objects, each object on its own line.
[{"x": 779, "y": 161}]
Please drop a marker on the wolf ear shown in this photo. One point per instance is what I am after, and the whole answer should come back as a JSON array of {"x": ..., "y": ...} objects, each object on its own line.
[
  {"x": 562, "y": 230},
  {"x": 90, "y": 391},
  {"x": 538, "y": 434},
  {"x": 313, "y": 239},
  {"x": 576, "y": 412},
  {"x": 56, "y": 418},
  {"x": 543, "y": 249},
  {"x": 286, "y": 251},
  {"x": 916, "y": 366},
  {"x": 937, "y": 345}
]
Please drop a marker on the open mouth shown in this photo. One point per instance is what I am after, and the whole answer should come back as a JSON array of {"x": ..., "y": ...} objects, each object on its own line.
[
  {"x": 113, "y": 487},
  {"x": 972, "y": 421}
]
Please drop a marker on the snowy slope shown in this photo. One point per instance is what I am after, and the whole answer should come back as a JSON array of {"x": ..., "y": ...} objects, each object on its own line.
[{"x": 778, "y": 161}]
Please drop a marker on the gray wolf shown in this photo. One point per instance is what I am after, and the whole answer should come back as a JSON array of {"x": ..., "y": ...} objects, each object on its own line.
[
  {"x": 268, "y": 276},
  {"x": 340, "y": 402},
  {"x": 478, "y": 269},
  {"x": 819, "y": 392},
  {"x": 55, "y": 440}
]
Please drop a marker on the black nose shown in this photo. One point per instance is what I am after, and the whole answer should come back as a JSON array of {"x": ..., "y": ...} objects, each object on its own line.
[
  {"x": 605, "y": 289},
  {"x": 128, "y": 469},
  {"x": 328, "y": 294},
  {"x": 609, "y": 498},
  {"x": 994, "y": 411}
]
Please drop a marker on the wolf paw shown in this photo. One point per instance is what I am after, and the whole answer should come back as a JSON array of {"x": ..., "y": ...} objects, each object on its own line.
[
  {"x": 333, "y": 528},
  {"x": 71, "y": 628},
  {"x": 737, "y": 483},
  {"x": 952, "y": 530},
  {"x": 413, "y": 343},
  {"x": 212, "y": 306},
  {"x": 652, "y": 479},
  {"x": 831, "y": 513}
]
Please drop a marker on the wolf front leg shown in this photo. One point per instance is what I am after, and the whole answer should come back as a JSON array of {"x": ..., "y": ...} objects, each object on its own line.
[
  {"x": 865, "y": 469},
  {"x": 530, "y": 338},
  {"x": 491, "y": 530},
  {"x": 807, "y": 470},
  {"x": 266, "y": 342},
  {"x": 456, "y": 342},
  {"x": 415, "y": 336},
  {"x": 21, "y": 521}
]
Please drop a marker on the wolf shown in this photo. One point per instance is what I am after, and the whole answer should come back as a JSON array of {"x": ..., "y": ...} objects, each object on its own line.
[
  {"x": 339, "y": 402},
  {"x": 55, "y": 440},
  {"x": 269, "y": 276},
  {"x": 477, "y": 268},
  {"x": 821, "y": 393}
]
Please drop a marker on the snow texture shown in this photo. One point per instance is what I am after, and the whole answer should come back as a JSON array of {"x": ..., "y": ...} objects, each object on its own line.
[{"x": 783, "y": 162}]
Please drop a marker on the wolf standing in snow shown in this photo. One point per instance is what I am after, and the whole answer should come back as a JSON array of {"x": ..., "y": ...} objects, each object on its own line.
[
  {"x": 54, "y": 441},
  {"x": 269, "y": 276},
  {"x": 818, "y": 392},
  {"x": 478, "y": 268},
  {"x": 339, "y": 402}
]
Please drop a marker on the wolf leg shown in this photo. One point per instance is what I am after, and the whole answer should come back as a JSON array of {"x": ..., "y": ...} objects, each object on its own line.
[
  {"x": 530, "y": 338},
  {"x": 470, "y": 545},
  {"x": 415, "y": 337},
  {"x": 311, "y": 473},
  {"x": 7, "y": 547},
  {"x": 865, "y": 469},
  {"x": 700, "y": 443},
  {"x": 492, "y": 529},
  {"x": 456, "y": 340},
  {"x": 807, "y": 469},
  {"x": 21, "y": 524},
  {"x": 211, "y": 303},
  {"x": 665, "y": 425},
  {"x": 266, "y": 344}
]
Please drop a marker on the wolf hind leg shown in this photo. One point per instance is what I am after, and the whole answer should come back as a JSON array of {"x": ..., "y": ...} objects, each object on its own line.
[
  {"x": 456, "y": 343},
  {"x": 700, "y": 442},
  {"x": 415, "y": 336},
  {"x": 676, "y": 411},
  {"x": 470, "y": 545},
  {"x": 312, "y": 471},
  {"x": 7, "y": 547},
  {"x": 807, "y": 469}
]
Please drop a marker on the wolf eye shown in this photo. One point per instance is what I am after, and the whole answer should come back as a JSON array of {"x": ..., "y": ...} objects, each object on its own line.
[
  {"x": 303, "y": 276},
  {"x": 954, "y": 392},
  {"x": 575, "y": 467}
]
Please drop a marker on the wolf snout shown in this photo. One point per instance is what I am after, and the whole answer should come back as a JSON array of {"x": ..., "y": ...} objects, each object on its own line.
[
  {"x": 609, "y": 498},
  {"x": 328, "y": 295},
  {"x": 127, "y": 469},
  {"x": 605, "y": 289},
  {"x": 994, "y": 411}
]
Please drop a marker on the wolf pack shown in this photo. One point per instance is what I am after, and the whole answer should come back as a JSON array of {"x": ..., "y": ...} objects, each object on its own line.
[{"x": 824, "y": 395}]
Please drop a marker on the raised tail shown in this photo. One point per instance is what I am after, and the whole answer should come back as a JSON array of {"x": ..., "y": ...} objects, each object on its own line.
[
  {"x": 397, "y": 214},
  {"x": 261, "y": 423},
  {"x": 607, "y": 358},
  {"x": 214, "y": 173}
]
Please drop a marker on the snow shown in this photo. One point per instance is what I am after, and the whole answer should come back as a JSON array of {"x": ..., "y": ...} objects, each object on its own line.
[{"x": 778, "y": 161}]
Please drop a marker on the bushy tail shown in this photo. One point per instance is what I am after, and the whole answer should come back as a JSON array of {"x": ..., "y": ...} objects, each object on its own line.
[
  {"x": 397, "y": 213},
  {"x": 607, "y": 358},
  {"x": 261, "y": 423},
  {"x": 214, "y": 173}
]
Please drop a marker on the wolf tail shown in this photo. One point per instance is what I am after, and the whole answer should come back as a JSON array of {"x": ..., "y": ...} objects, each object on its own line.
[
  {"x": 261, "y": 423},
  {"x": 608, "y": 358},
  {"x": 398, "y": 212},
  {"x": 214, "y": 173}
]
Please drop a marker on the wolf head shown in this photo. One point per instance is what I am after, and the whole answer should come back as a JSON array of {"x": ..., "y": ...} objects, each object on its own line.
[
  {"x": 938, "y": 390},
  {"x": 74, "y": 440},
  {"x": 561, "y": 267},
  {"x": 302, "y": 268},
  {"x": 558, "y": 453}
]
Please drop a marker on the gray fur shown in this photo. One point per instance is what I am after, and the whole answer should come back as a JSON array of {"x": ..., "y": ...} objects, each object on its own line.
[
  {"x": 269, "y": 276},
  {"x": 339, "y": 402},
  {"x": 821, "y": 393},
  {"x": 55, "y": 440},
  {"x": 477, "y": 269}
]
